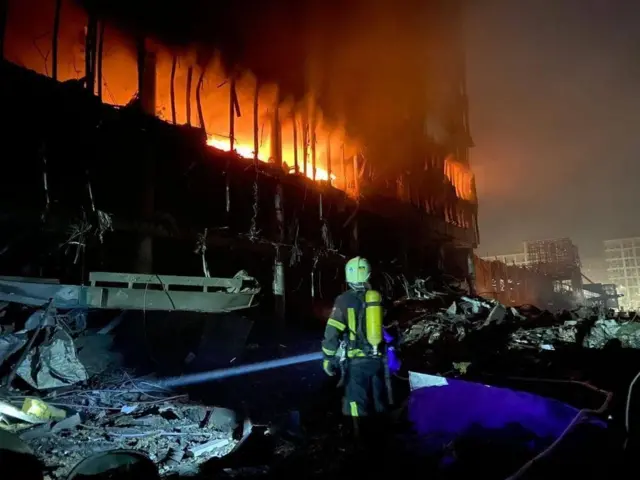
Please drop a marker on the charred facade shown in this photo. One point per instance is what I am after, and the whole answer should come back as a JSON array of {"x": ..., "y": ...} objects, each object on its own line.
[{"x": 289, "y": 138}]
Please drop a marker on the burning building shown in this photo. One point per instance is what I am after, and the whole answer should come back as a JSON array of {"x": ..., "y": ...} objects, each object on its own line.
[{"x": 294, "y": 130}]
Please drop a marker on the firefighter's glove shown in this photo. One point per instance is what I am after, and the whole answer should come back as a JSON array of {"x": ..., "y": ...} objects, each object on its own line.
[
  {"x": 392, "y": 360},
  {"x": 329, "y": 367},
  {"x": 388, "y": 338}
]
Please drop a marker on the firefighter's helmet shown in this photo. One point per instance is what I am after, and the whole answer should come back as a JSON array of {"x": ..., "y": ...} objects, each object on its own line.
[{"x": 357, "y": 271}]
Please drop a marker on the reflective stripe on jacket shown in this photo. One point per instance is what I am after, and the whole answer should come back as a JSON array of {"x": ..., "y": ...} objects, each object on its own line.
[{"x": 347, "y": 322}]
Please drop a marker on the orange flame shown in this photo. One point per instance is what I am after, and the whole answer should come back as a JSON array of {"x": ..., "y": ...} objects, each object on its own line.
[
  {"x": 461, "y": 177},
  {"x": 247, "y": 151},
  {"x": 28, "y": 42},
  {"x": 119, "y": 85}
]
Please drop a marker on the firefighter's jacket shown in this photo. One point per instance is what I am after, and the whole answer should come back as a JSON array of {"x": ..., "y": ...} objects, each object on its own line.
[{"x": 347, "y": 322}]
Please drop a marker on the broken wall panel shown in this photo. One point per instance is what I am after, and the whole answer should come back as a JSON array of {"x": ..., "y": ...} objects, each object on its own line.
[
  {"x": 514, "y": 285},
  {"x": 116, "y": 291}
]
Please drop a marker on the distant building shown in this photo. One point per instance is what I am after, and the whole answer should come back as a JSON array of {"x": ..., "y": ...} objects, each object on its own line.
[
  {"x": 595, "y": 270},
  {"x": 623, "y": 266},
  {"x": 601, "y": 295},
  {"x": 519, "y": 259},
  {"x": 557, "y": 258}
]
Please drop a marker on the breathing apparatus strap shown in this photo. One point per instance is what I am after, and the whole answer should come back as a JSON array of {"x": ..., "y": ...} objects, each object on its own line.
[
  {"x": 342, "y": 362},
  {"x": 344, "y": 348},
  {"x": 350, "y": 338}
]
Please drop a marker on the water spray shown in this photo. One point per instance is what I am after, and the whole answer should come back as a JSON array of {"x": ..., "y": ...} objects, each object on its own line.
[{"x": 203, "y": 377}]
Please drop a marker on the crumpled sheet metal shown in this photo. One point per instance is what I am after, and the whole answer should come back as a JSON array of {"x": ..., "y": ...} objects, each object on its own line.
[
  {"x": 252, "y": 285},
  {"x": 96, "y": 354},
  {"x": 53, "y": 364},
  {"x": 433, "y": 329},
  {"x": 10, "y": 344}
]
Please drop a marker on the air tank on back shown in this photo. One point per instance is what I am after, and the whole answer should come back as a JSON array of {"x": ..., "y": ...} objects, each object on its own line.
[{"x": 374, "y": 316}]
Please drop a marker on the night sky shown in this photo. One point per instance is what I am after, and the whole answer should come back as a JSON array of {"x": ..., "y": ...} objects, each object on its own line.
[{"x": 554, "y": 90}]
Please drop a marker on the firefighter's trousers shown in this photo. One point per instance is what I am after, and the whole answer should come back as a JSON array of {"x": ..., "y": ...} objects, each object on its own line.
[{"x": 365, "y": 390}]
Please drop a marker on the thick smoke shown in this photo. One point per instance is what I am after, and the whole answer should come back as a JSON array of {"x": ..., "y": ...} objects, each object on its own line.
[{"x": 553, "y": 88}]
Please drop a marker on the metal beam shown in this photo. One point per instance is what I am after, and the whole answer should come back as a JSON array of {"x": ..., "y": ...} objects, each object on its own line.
[
  {"x": 36, "y": 293},
  {"x": 166, "y": 281}
]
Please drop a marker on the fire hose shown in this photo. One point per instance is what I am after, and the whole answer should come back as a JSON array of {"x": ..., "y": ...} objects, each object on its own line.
[
  {"x": 627, "y": 409},
  {"x": 576, "y": 420}
]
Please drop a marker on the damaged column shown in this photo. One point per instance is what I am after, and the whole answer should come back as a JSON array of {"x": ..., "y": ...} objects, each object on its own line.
[
  {"x": 355, "y": 241},
  {"x": 471, "y": 272},
  {"x": 91, "y": 50},
  {"x": 276, "y": 133},
  {"x": 147, "y": 94},
  {"x": 278, "y": 266}
]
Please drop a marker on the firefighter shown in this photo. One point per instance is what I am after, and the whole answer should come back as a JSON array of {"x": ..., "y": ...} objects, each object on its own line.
[{"x": 353, "y": 345}]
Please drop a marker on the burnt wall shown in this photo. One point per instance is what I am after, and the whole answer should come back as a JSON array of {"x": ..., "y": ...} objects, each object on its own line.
[
  {"x": 514, "y": 285},
  {"x": 390, "y": 73},
  {"x": 103, "y": 161}
]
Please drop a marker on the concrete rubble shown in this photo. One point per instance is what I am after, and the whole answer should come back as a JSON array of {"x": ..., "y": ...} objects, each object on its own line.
[
  {"x": 123, "y": 413},
  {"x": 181, "y": 439},
  {"x": 76, "y": 399},
  {"x": 454, "y": 317},
  {"x": 64, "y": 392}
]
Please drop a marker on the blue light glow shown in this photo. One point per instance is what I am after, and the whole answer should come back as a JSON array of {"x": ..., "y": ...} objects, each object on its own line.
[{"x": 203, "y": 377}]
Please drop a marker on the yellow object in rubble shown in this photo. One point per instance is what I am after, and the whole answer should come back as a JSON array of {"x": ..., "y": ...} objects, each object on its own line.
[
  {"x": 373, "y": 316},
  {"x": 39, "y": 409}
]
